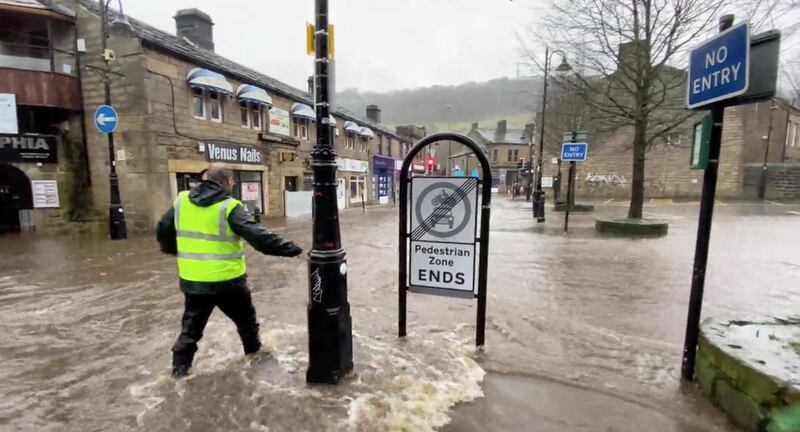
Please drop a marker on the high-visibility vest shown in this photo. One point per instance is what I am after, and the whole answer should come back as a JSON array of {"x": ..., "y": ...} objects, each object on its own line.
[{"x": 208, "y": 251}]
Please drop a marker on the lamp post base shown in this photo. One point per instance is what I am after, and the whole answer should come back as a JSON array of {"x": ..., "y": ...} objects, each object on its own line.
[
  {"x": 538, "y": 205},
  {"x": 117, "y": 228}
]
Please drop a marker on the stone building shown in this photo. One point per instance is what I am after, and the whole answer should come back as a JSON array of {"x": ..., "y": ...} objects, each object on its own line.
[
  {"x": 44, "y": 181},
  {"x": 505, "y": 148},
  {"x": 182, "y": 106}
]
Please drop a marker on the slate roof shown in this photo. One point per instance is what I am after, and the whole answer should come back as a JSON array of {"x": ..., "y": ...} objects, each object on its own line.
[
  {"x": 37, "y": 4},
  {"x": 512, "y": 136},
  {"x": 213, "y": 61}
]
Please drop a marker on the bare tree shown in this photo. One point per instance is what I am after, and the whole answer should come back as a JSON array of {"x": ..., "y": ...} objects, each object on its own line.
[{"x": 624, "y": 55}]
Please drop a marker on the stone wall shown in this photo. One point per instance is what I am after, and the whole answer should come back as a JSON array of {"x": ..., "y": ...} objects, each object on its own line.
[{"x": 782, "y": 180}]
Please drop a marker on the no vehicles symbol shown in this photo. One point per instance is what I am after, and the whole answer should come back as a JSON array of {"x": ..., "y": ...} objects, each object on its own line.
[{"x": 444, "y": 209}]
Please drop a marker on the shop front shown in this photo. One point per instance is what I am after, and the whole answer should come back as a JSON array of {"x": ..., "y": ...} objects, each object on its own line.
[
  {"x": 351, "y": 182},
  {"x": 383, "y": 179},
  {"x": 247, "y": 163}
]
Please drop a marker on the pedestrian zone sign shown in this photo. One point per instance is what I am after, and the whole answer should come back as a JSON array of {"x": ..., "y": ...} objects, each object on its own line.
[
  {"x": 444, "y": 213},
  {"x": 719, "y": 68}
]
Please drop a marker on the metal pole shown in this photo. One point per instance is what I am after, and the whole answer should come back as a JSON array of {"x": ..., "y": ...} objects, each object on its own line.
[
  {"x": 538, "y": 194},
  {"x": 762, "y": 186},
  {"x": 570, "y": 175},
  {"x": 117, "y": 228},
  {"x": 330, "y": 338},
  {"x": 703, "y": 233}
]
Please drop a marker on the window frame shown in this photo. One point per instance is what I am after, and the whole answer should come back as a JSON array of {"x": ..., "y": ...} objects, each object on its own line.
[
  {"x": 256, "y": 115},
  {"x": 244, "y": 108},
  {"x": 198, "y": 93},
  {"x": 218, "y": 98}
]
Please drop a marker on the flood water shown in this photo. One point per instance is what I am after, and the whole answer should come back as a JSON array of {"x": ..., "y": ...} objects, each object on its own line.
[{"x": 583, "y": 332}]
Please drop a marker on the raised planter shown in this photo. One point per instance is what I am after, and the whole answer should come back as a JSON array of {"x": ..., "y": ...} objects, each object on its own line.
[
  {"x": 582, "y": 208},
  {"x": 632, "y": 227},
  {"x": 751, "y": 371}
]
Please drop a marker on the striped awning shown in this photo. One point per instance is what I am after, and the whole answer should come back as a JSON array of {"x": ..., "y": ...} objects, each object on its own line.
[
  {"x": 249, "y": 93},
  {"x": 352, "y": 127},
  {"x": 366, "y": 133},
  {"x": 209, "y": 80},
  {"x": 332, "y": 120},
  {"x": 303, "y": 111}
]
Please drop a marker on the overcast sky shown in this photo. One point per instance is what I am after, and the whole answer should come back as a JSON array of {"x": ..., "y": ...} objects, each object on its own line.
[{"x": 380, "y": 44}]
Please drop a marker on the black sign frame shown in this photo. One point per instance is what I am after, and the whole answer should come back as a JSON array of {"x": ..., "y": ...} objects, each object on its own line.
[
  {"x": 483, "y": 238},
  {"x": 31, "y": 153}
]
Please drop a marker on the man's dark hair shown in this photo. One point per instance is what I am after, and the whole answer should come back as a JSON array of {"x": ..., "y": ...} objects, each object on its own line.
[{"x": 219, "y": 174}]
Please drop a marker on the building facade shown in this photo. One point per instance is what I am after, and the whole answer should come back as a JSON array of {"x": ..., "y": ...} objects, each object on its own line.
[{"x": 504, "y": 148}]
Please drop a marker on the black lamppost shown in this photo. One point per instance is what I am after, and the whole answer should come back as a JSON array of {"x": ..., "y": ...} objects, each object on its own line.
[
  {"x": 116, "y": 214},
  {"x": 330, "y": 336},
  {"x": 538, "y": 194}
]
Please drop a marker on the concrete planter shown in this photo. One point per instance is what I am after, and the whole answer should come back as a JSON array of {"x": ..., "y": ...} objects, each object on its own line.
[
  {"x": 580, "y": 208},
  {"x": 749, "y": 370},
  {"x": 632, "y": 227}
]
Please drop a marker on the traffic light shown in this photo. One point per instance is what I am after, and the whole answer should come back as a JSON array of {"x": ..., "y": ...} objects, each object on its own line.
[
  {"x": 521, "y": 165},
  {"x": 430, "y": 163}
]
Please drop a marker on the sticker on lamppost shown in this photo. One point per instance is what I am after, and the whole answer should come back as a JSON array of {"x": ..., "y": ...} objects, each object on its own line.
[{"x": 443, "y": 231}]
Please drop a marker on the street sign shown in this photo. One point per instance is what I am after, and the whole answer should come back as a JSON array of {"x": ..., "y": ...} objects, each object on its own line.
[
  {"x": 719, "y": 68},
  {"x": 444, "y": 212},
  {"x": 574, "y": 152},
  {"x": 105, "y": 119}
]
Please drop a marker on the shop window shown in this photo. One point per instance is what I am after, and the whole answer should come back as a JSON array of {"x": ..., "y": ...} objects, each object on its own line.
[
  {"x": 244, "y": 113},
  {"x": 215, "y": 101},
  {"x": 290, "y": 183},
  {"x": 186, "y": 181},
  {"x": 358, "y": 187},
  {"x": 248, "y": 189},
  {"x": 198, "y": 104}
]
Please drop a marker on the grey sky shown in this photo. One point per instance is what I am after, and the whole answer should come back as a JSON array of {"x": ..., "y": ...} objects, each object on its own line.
[{"x": 380, "y": 44}]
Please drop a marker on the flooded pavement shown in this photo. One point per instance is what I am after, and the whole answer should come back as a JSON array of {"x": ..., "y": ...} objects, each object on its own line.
[{"x": 583, "y": 332}]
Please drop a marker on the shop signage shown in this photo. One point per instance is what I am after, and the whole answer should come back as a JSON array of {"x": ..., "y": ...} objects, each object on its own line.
[
  {"x": 352, "y": 165},
  {"x": 45, "y": 193},
  {"x": 8, "y": 113},
  {"x": 380, "y": 162},
  {"x": 233, "y": 153},
  {"x": 279, "y": 122},
  {"x": 28, "y": 148}
]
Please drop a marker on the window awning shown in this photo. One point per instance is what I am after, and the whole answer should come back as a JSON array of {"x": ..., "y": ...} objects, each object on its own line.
[
  {"x": 249, "y": 93},
  {"x": 366, "y": 132},
  {"x": 332, "y": 120},
  {"x": 208, "y": 80},
  {"x": 352, "y": 127},
  {"x": 303, "y": 111}
]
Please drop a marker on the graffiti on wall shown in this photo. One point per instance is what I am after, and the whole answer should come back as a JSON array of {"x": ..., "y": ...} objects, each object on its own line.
[{"x": 597, "y": 182}]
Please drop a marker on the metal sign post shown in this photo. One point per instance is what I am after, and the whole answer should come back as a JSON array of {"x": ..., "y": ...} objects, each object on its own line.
[
  {"x": 719, "y": 71},
  {"x": 572, "y": 152},
  {"x": 438, "y": 232}
]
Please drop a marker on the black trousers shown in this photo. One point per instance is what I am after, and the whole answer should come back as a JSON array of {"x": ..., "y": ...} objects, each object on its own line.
[{"x": 235, "y": 302}]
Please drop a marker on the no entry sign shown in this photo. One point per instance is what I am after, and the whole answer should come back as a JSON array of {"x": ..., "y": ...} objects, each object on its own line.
[{"x": 444, "y": 212}]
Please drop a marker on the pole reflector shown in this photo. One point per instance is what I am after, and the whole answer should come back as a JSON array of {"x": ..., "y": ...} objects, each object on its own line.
[
  {"x": 331, "y": 40},
  {"x": 309, "y": 38}
]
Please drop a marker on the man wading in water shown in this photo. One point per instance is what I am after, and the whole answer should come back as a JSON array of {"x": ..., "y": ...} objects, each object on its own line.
[{"x": 204, "y": 228}]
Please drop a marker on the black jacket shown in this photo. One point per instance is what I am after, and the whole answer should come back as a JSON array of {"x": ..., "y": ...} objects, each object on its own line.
[{"x": 208, "y": 193}]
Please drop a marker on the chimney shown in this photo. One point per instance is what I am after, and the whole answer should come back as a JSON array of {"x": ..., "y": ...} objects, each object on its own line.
[
  {"x": 196, "y": 26},
  {"x": 530, "y": 129},
  {"x": 630, "y": 54},
  {"x": 374, "y": 113},
  {"x": 474, "y": 125},
  {"x": 500, "y": 133}
]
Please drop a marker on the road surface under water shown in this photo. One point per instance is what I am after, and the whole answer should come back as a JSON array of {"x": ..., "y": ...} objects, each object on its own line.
[{"x": 583, "y": 332}]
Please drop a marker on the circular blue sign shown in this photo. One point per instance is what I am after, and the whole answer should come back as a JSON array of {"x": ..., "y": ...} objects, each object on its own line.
[{"x": 105, "y": 119}]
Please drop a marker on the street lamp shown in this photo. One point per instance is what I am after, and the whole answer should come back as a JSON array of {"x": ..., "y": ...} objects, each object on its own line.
[
  {"x": 330, "y": 335},
  {"x": 116, "y": 214},
  {"x": 538, "y": 194}
]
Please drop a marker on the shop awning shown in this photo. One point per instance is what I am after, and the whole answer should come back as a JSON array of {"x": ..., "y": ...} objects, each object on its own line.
[
  {"x": 253, "y": 94},
  {"x": 208, "y": 80},
  {"x": 366, "y": 133},
  {"x": 303, "y": 111},
  {"x": 332, "y": 120},
  {"x": 352, "y": 127}
]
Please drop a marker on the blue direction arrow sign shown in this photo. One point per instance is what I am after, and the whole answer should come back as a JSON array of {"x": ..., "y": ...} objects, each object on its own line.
[
  {"x": 574, "y": 152},
  {"x": 105, "y": 119},
  {"x": 719, "y": 68}
]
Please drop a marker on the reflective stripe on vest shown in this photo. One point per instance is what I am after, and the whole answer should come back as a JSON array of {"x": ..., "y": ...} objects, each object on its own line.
[{"x": 208, "y": 251}]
